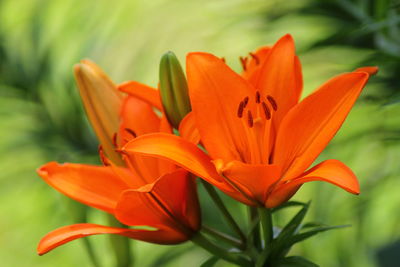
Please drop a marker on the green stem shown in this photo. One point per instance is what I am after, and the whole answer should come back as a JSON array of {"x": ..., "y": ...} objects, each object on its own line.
[
  {"x": 217, "y": 200},
  {"x": 120, "y": 245},
  {"x": 256, "y": 231},
  {"x": 201, "y": 241},
  {"x": 223, "y": 237},
  {"x": 90, "y": 252},
  {"x": 266, "y": 225}
]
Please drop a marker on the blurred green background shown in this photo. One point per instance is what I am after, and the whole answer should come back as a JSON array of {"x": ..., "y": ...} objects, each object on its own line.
[{"x": 41, "y": 117}]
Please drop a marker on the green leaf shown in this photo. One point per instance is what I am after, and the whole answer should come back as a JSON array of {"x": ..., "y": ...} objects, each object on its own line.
[
  {"x": 293, "y": 225},
  {"x": 300, "y": 237},
  {"x": 295, "y": 261},
  {"x": 280, "y": 245},
  {"x": 289, "y": 204},
  {"x": 210, "y": 262}
]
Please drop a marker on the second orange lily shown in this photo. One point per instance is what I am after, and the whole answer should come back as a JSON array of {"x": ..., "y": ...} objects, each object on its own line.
[
  {"x": 261, "y": 140},
  {"x": 135, "y": 189}
]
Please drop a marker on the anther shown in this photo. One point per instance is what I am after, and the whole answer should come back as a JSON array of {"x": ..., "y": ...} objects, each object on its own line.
[
  {"x": 131, "y": 132},
  {"x": 245, "y": 101},
  {"x": 114, "y": 140},
  {"x": 256, "y": 59},
  {"x": 258, "y": 97},
  {"x": 223, "y": 59},
  {"x": 243, "y": 61},
  {"x": 240, "y": 109},
  {"x": 267, "y": 112},
  {"x": 250, "y": 119},
  {"x": 273, "y": 102},
  {"x": 103, "y": 158}
]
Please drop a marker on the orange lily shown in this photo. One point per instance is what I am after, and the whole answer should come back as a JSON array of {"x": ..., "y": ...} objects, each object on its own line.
[
  {"x": 260, "y": 138},
  {"x": 137, "y": 192}
]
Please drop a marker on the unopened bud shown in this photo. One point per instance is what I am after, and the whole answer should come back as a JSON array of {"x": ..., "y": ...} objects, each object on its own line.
[
  {"x": 102, "y": 102},
  {"x": 173, "y": 89}
]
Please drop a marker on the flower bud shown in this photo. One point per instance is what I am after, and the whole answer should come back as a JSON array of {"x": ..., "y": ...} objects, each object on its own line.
[
  {"x": 173, "y": 89},
  {"x": 102, "y": 102}
]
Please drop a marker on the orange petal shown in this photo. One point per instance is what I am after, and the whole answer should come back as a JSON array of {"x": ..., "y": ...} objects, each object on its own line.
[
  {"x": 215, "y": 92},
  {"x": 137, "y": 118},
  {"x": 102, "y": 103},
  {"x": 254, "y": 181},
  {"x": 331, "y": 171},
  {"x": 254, "y": 63},
  {"x": 142, "y": 91},
  {"x": 371, "y": 70},
  {"x": 160, "y": 205},
  {"x": 280, "y": 77},
  {"x": 95, "y": 186},
  {"x": 181, "y": 198},
  {"x": 179, "y": 151},
  {"x": 69, "y": 233},
  {"x": 309, "y": 126},
  {"x": 188, "y": 129}
]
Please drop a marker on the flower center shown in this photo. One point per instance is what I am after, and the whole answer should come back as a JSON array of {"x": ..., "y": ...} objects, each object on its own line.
[{"x": 256, "y": 115}]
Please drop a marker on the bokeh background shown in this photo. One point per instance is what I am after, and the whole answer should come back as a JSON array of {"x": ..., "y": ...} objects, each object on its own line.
[{"x": 41, "y": 117}]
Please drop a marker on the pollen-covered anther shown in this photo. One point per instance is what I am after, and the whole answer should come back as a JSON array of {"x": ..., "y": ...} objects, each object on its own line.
[
  {"x": 267, "y": 112},
  {"x": 240, "y": 109},
  {"x": 250, "y": 121},
  {"x": 256, "y": 59},
  {"x": 258, "y": 97},
  {"x": 243, "y": 61},
  {"x": 272, "y": 101},
  {"x": 131, "y": 132}
]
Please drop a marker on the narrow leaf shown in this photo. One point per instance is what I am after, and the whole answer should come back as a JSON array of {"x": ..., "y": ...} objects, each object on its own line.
[{"x": 295, "y": 261}]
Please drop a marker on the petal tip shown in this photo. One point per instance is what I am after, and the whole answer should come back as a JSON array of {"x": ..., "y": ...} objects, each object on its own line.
[{"x": 370, "y": 70}]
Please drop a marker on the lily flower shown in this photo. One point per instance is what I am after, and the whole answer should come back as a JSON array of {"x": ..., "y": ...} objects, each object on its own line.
[
  {"x": 260, "y": 138},
  {"x": 137, "y": 192}
]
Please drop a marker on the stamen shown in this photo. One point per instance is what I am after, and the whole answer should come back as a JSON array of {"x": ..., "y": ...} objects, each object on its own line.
[
  {"x": 250, "y": 119},
  {"x": 273, "y": 102},
  {"x": 131, "y": 132},
  {"x": 258, "y": 97},
  {"x": 114, "y": 140},
  {"x": 245, "y": 101},
  {"x": 240, "y": 109},
  {"x": 103, "y": 158},
  {"x": 223, "y": 59},
  {"x": 256, "y": 59},
  {"x": 267, "y": 112},
  {"x": 243, "y": 61},
  {"x": 122, "y": 152}
]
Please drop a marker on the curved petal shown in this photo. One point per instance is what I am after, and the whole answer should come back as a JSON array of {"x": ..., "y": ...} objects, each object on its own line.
[
  {"x": 188, "y": 129},
  {"x": 95, "y": 186},
  {"x": 160, "y": 205},
  {"x": 137, "y": 118},
  {"x": 310, "y": 125},
  {"x": 215, "y": 92},
  {"x": 254, "y": 181},
  {"x": 181, "y": 152},
  {"x": 371, "y": 70},
  {"x": 331, "y": 171},
  {"x": 69, "y": 233},
  {"x": 280, "y": 77},
  {"x": 181, "y": 199},
  {"x": 142, "y": 91}
]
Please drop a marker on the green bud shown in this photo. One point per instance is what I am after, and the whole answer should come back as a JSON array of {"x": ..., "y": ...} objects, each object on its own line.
[{"x": 173, "y": 89}]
